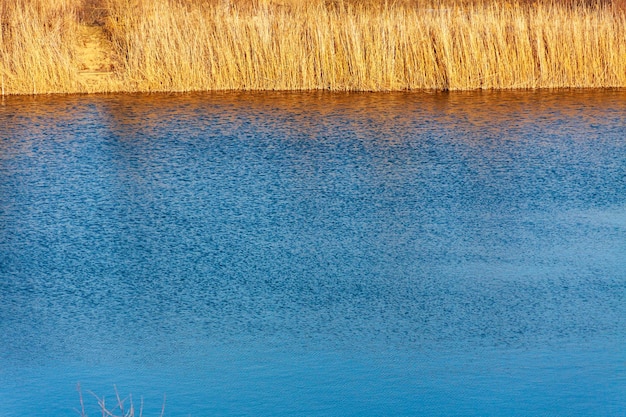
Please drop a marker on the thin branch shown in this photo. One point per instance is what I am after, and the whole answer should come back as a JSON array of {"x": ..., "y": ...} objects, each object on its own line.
[
  {"x": 163, "y": 408},
  {"x": 80, "y": 396}
]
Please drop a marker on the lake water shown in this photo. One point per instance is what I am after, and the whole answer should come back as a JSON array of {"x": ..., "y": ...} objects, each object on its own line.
[{"x": 314, "y": 254}]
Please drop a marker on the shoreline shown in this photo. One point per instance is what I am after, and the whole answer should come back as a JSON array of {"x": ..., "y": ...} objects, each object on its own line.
[
  {"x": 116, "y": 46},
  {"x": 250, "y": 92}
]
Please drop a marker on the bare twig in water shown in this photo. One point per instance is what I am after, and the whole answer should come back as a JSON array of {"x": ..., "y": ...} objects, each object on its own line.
[
  {"x": 163, "y": 408},
  {"x": 123, "y": 408},
  {"x": 82, "y": 402}
]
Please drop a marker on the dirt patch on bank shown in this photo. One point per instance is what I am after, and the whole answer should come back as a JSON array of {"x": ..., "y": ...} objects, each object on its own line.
[
  {"x": 95, "y": 59},
  {"x": 95, "y": 56}
]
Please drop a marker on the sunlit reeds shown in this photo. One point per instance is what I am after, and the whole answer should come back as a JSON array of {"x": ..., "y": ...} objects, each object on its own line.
[
  {"x": 36, "y": 46},
  {"x": 183, "y": 45}
]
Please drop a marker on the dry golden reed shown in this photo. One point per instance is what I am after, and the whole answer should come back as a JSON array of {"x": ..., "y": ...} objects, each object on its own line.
[
  {"x": 35, "y": 46},
  {"x": 185, "y": 45}
]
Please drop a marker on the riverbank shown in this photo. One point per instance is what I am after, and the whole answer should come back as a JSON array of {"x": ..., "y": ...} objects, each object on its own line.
[{"x": 90, "y": 46}]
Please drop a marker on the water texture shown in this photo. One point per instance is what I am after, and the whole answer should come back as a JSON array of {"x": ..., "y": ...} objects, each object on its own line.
[{"x": 315, "y": 253}]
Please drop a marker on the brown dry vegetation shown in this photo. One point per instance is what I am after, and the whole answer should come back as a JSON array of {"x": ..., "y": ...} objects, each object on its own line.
[
  {"x": 367, "y": 45},
  {"x": 35, "y": 56}
]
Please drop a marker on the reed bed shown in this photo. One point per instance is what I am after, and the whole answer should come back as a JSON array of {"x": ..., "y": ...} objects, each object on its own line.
[
  {"x": 191, "y": 45},
  {"x": 35, "y": 46}
]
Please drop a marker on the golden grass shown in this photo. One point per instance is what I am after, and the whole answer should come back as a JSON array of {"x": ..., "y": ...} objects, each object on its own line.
[
  {"x": 185, "y": 45},
  {"x": 35, "y": 51}
]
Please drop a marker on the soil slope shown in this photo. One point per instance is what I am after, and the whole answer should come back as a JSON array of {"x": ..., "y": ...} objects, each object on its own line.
[{"x": 95, "y": 59}]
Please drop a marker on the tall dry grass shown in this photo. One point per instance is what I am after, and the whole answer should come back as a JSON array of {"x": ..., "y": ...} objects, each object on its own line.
[
  {"x": 178, "y": 45},
  {"x": 36, "y": 54},
  {"x": 183, "y": 45}
]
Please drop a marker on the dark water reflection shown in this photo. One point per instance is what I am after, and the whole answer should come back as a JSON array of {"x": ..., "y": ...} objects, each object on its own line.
[{"x": 315, "y": 254}]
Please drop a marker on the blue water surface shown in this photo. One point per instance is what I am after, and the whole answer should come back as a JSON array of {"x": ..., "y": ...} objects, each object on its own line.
[{"x": 314, "y": 254}]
